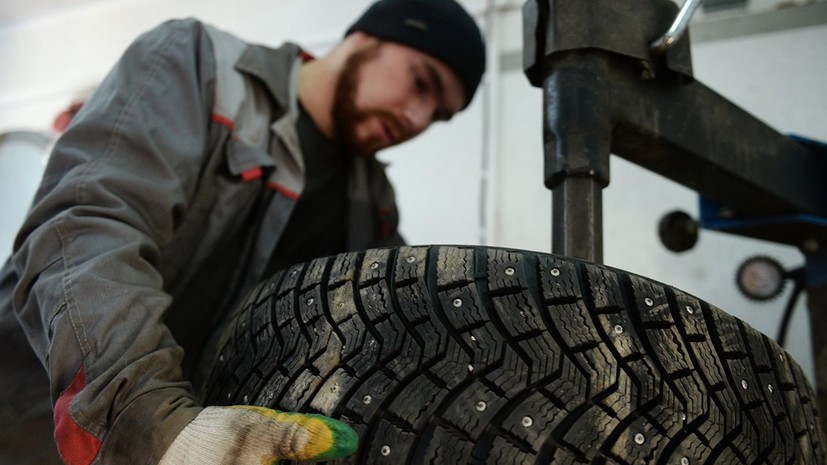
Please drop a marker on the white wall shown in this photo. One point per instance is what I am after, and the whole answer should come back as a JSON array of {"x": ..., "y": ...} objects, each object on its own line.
[{"x": 479, "y": 179}]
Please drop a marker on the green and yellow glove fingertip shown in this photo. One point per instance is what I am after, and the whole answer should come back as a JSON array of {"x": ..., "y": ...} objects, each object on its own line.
[
  {"x": 344, "y": 440},
  {"x": 331, "y": 438}
]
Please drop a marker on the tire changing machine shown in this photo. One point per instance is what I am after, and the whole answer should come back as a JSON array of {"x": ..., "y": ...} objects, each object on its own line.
[{"x": 614, "y": 83}]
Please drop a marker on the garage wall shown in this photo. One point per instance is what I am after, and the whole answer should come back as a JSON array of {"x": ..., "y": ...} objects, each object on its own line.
[{"x": 477, "y": 180}]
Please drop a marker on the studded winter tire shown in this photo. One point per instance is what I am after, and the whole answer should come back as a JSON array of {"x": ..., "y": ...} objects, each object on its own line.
[{"x": 474, "y": 355}]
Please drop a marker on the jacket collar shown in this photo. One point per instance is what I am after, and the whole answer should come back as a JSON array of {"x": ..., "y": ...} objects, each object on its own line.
[{"x": 272, "y": 67}]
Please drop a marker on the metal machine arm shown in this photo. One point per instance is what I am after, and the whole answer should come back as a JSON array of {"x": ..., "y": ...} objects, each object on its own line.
[{"x": 611, "y": 86}]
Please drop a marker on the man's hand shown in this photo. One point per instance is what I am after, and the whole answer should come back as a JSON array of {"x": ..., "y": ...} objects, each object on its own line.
[{"x": 256, "y": 435}]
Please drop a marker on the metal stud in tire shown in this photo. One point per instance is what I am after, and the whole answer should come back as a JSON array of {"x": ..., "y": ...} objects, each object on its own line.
[{"x": 530, "y": 368}]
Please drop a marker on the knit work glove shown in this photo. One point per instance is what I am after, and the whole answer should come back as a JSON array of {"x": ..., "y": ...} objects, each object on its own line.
[{"x": 258, "y": 436}]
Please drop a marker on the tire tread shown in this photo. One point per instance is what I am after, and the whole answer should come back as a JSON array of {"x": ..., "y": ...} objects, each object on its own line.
[{"x": 449, "y": 355}]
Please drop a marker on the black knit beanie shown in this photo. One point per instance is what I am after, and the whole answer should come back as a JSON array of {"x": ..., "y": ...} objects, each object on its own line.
[{"x": 440, "y": 28}]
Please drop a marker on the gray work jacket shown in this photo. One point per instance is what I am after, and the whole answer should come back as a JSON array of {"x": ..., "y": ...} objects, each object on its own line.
[{"x": 177, "y": 177}]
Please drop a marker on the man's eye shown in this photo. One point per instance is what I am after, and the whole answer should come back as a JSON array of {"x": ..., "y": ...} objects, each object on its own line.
[{"x": 420, "y": 85}]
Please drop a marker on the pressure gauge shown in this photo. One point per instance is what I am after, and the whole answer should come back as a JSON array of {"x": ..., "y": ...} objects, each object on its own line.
[{"x": 761, "y": 278}]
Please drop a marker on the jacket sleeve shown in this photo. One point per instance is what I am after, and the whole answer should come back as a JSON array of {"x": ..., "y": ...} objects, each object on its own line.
[{"x": 90, "y": 296}]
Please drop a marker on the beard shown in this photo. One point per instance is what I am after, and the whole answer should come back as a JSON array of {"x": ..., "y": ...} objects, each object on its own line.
[{"x": 346, "y": 115}]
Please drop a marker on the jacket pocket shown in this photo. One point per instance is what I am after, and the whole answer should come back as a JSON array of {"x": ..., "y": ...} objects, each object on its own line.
[{"x": 246, "y": 161}]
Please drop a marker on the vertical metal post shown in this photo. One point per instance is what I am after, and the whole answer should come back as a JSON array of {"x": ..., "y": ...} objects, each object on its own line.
[
  {"x": 817, "y": 305},
  {"x": 577, "y": 219},
  {"x": 577, "y": 143}
]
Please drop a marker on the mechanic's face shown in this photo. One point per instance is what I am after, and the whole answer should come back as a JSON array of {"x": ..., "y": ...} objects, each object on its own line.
[{"x": 389, "y": 93}]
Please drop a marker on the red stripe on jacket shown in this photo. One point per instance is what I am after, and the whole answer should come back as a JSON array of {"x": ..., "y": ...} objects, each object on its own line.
[
  {"x": 283, "y": 191},
  {"x": 252, "y": 174},
  {"x": 76, "y": 445},
  {"x": 248, "y": 175},
  {"x": 223, "y": 120}
]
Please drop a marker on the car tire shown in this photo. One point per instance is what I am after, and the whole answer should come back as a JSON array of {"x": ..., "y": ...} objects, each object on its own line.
[{"x": 477, "y": 355}]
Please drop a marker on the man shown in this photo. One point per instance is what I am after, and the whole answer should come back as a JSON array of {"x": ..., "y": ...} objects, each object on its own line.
[{"x": 199, "y": 166}]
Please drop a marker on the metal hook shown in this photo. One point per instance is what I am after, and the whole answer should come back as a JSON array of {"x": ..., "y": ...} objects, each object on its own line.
[{"x": 678, "y": 29}]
